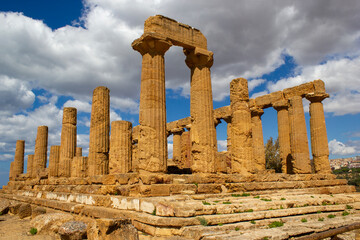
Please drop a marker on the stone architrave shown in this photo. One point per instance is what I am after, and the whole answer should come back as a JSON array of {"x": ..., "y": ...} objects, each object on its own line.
[
  {"x": 298, "y": 137},
  {"x": 40, "y": 154},
  {"x": 284, "y": 135},
  {"x": 319, "y": 141},
  {"x": 241, "y": 132},
  {"x": 68, "y": 141},
  {"x": 54, "y": 159},
  {"x": 152, "y": 142},
  {"x": 185, "y": 149},
  {"x": 30, "y": 165},
  {"x": 98, "y": 161},
  {"x": 203, "y": 132},
  {"x": 258, "y": 138},
  {"x": 18, "y": 166},
  {"x": 120, "y": 147},
  {"x": 78, "y": 152},
  {"x": 79, "y": 166},
  {"x": 177, "y": 147}
]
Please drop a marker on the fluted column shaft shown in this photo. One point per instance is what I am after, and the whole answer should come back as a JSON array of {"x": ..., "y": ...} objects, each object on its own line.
[
  {"x": 78, "y": 152},
  {"x": 186, "y": 149},
  {"x": 18, "y": 167},
  {"x": 98, "y": 162},
  {"x": 152, "y": 142},
  {"x": 40, "y": 155},
  {"x": 203, "y": 131},
  {"x": 54, "y": 159},
  {"x": 284, "y": 135},
  {"x": 30, "y": 165},
  {"x": 68, "y": 141},
  {"x": 258, "y": 139},
  {"x": 120, "y": 147},
  {"x": 177, "y": 147},
  {"x": 241, "y": 132},
  {"x": 319, "y": 141},
  {"x": 11, "y": 172},
  {"x": 79, "y": 166},
  {"x": 298, "y": 137}
]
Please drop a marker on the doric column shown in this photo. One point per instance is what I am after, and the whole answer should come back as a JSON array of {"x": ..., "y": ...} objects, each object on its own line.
[
  {"x": 186, "y": 149},
  {"x": 98, "y": 162},
  {"x": 68, "y": 141},
  {"x": 298, "y": 137},
  {"x": 40, "y": 155},
  {"x": 152, "y": 142},
  {"x": 78, "y": 152},
  {"x": 241, "y": 132},
  {"x": 30, "y": 166},
  {"x": 203, "y": 132},
  {"x": 120, "y": 147},
  {"x": 11, "y": 172},
  {"x": 319, "y": 142},
  {"x": 177, "y": 147},
  {"x": 79, "y": 167},
  {"x": 228, "y": 139},
  {"x": 284, "y": 135},
  {"x": 258, "y": 138},
  {"x": 18, "y": 166},
  {"x": 54, "y": 159}
]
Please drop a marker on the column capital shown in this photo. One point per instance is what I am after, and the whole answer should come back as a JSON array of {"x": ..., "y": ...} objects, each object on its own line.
[
  {"x": 316, "y": 97},
  {"x": 256, "y": 111},
  {"x": 198, "y": 57},
  {"x": 150, "y": 43},
  {"x": 279, "y": 105}
]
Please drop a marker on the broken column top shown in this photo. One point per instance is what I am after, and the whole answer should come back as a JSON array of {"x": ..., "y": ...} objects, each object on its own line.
[
  {"x": 69, "y": 115},
  {"x": 178, "y": 33}
]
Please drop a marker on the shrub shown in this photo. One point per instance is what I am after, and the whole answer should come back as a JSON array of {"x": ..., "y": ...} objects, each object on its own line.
[
  {"x": 202, "y": 221},
  {"x": 226, "y": 202},
  {"x": 304, "y": 220},
  {"x": 206, "y": 203},
  {"x": 252, "y": 221},
  {"x": 349, "y": 207},
  {"x": 282, "y": 199},
  {"x": 249, "y": 210},
  {"x": 257, "y": 197},
  {"x": 266, "y": 199},
  {"x": 276, "y": 224},
  {"x": 33, "y": 231},
  {"x": 345, "y": 213},
  {"x": 331, "y": 216},
  {"x": 321, "y": 219},
  {"x": 154, "y": 211},
  {"x": 237, "y": 228}
]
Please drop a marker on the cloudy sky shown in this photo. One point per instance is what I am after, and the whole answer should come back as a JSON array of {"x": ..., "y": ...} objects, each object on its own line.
[{"x": 54, "y": 53}]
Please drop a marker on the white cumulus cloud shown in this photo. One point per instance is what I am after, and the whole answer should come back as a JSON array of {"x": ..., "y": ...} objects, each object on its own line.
[{"x": 340, "y": 149}]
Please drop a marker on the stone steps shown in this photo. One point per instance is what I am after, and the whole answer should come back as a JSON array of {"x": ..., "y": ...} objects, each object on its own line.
[{"x": 219, "y": 218}]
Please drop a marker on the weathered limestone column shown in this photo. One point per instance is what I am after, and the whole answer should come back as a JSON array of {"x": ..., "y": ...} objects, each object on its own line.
[
  {"x": 228, "y": 139},
  {"x": 30, "y": 166},
  {"x": 319, "y": 142},
  {"x": 298, "y": 137},
  {"x": 241, "y": 132},
  {"x": 203, "y": 132},
  {"x": 11, "y": 172},
  {"x": 258, "y": 138},
  {"x": 78, "y": 152},
  {"x": 18, "y": 166},
  {"x": 68, "y": 141},
  {"x": 98, "y": 162},
  {"x": 186, "y": 149},
  {"x": 54, "y": 159},
  {"x": 40, "y": 155},
  {"x": 177, "y": 147},
  {"x": 120, "y": 147},
  {"x": 284, "y": 135},
  {"x": 79, "y": 166},
  {"x": 152, "y": 143}
]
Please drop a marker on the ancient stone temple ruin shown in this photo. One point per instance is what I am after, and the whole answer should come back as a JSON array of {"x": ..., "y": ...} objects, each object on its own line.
[{"x": 212, "y": 195}]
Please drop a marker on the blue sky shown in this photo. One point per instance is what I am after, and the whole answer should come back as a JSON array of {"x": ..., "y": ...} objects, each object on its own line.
[{"x": 54, "y": 53}]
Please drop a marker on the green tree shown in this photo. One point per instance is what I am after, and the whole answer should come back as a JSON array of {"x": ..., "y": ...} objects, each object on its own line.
[{"x": 272, "y": 155}]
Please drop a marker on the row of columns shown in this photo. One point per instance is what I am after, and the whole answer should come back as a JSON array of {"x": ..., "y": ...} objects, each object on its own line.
[
  {"x": 293, "y": 141},
  {"x": 152, "y": 143}
]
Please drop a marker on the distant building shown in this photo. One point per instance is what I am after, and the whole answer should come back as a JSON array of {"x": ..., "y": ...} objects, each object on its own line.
[{"x": 352, "y": 162}]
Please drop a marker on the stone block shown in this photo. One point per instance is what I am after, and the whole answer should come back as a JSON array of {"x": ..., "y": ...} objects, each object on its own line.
[
  {"x": 37, "y": 211},
  {"x": 24, "y": 211},
  {"x": 113, "y": 229},
  {"x": 73, "y": 230}
]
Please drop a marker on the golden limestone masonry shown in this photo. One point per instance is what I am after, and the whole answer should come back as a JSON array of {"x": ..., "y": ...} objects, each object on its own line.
[{"x": 127, "y": 184}]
